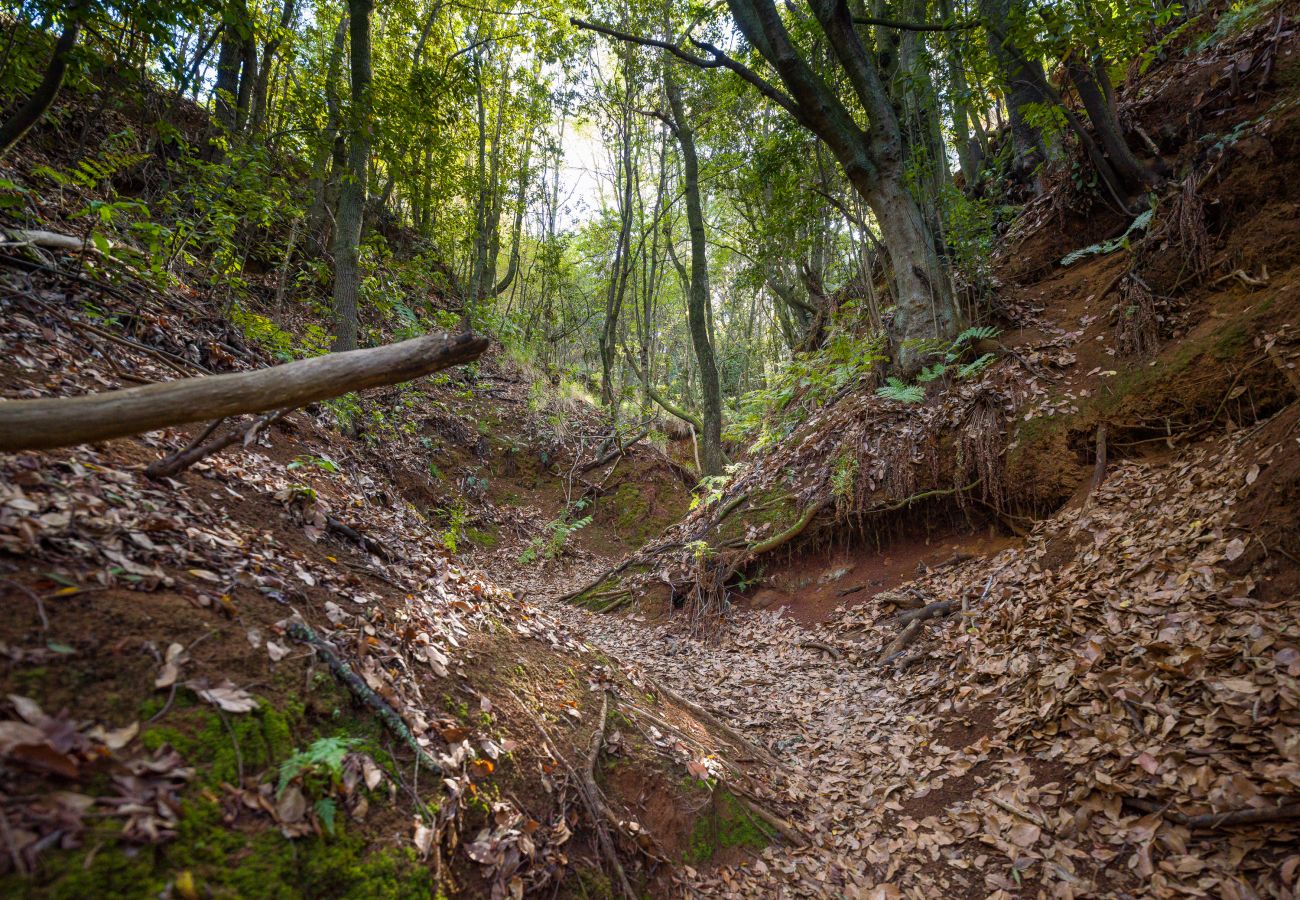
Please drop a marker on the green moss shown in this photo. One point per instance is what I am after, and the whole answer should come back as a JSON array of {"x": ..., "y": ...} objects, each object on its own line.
[
  {"x": 229, "y": 863},
  {"x": 251, "y": 742},
  {"x": 483, "y": 538},
  {"x": 591, "y": 883},
  {"x": 728, "y": 823},
  {"x": 28, "y": 682},
  {"x": 633, "y": 523}
]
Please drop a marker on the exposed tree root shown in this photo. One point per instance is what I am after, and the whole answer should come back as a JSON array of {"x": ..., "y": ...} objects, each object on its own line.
[
  {"x": 588, "y": 790},
  {"x": 784, "y": 537}
]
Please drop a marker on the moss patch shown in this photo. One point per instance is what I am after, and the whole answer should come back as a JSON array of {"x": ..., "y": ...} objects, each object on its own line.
[
  {"x": 726, "y": 824},
  {"x": 220, "y": 749},
  {"x": 227, "y": 863}
]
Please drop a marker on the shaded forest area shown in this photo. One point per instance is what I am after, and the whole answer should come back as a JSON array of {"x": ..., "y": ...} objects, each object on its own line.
[{"x": 583, "y": 449}]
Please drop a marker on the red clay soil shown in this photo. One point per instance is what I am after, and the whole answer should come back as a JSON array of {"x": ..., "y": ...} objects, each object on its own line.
[{"x": 813, "y": 585}]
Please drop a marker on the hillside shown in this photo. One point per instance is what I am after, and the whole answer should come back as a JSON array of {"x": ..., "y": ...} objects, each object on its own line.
[{"x": 1022, "y": 622}]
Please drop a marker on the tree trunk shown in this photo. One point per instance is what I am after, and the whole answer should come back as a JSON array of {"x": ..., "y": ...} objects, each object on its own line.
[
  {"x": 247, "y": 79},
  {"x": 1020, "y": 77},
  {"x": 1093, "y": 86},
  {"x": 698, "y": 300},
  {"x": 261, "y": 86},
  {"x": 608, "y": 339},
  {"x": 352, "y": 197},
  {"x": 873, "y": 160},
  {"x": 226, "y": 89},
  {"x": 12, "y": 131}
]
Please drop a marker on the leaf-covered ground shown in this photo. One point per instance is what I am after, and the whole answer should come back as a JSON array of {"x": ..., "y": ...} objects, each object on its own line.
[{"x": 1090, "y": 693}]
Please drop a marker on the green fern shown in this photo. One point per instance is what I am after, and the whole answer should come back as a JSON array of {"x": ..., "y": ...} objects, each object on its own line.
[
  {"x": 326, "y": 809},
  {"x": 932, "y": 373},
  {"x": 976, "y": 366},
  {"x": 973, "y": 334},
  {"x": 325, "y": 757},
  {"x": 897, "y": 390}
]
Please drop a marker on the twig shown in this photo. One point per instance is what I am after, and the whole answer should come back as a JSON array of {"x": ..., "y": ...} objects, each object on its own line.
[
  {"x": 736, "y": 738},
  {"x": 170, "y": 360},
  {"x": 20, "y": 865},
  {"x": 587, "y": 788},
  {"x": 239, "y": 756},
  {"x": 1283, "y": 813},
  {"x": 1017, "y": 811},
  {"x": 178, "y": 462},
  {"x": 40, "y": 606},
  {"x": 821, "y": 645},
  {"x": 341, "y": 670},
  {"x": 1099, "y": 469},
  {"x": 784, "y": 828},
  {"x": 352, "y": 534}
]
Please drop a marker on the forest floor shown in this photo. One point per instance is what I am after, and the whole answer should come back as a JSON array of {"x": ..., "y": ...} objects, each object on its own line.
[{"x": 1095, "y": 692}]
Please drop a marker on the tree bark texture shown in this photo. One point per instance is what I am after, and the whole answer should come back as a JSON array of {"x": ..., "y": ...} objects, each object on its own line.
[
  {"x": 12, "y": 131},
  {"x": 64, "y": 421},
  {"x": 352, "y": 196}
]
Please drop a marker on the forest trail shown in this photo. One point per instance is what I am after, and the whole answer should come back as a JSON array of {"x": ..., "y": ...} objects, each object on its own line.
[
  {"x": 948, "y": 787},
  {"x": 1025, "y": 623}
]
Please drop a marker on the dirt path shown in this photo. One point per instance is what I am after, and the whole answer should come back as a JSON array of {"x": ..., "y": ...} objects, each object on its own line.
[
  {"x": 1024, "y": 752},
  {"x": 819, "y": 716}
]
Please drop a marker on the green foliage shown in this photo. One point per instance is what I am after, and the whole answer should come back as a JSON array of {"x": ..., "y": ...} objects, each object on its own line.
[
  {"x": 1139, "y": 223},
  {"x": 1236, "y": 18},
  {"x": 324, "y": 463},
  {"x": 948, "y": 362},
  {"x": 844, "y": 475},
  {"x": 556, "y": 536},
  {"x": 710, "y": 490},
  {"x": 454, "y": 518},
  {"x": 900, "y": 392},
  {"x": 807, "y": 382},
  {"x": 319, "y": 766}
]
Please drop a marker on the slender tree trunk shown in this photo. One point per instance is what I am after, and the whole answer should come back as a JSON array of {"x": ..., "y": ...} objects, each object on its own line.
[
  {"x": 512, "y": 267},
  {"x": 608, "y": 339},
  {"x": 698, "y": 300},
  {"x": 12, "y": 131},
  {"x": 1093, "y": 86},
  {"x": 247, "y": 78},
  {"x": 969, "y": 159},
  {"x": 352, "y": 197},
  {"x": 318, "y": 232},
  {"x": 1020, "y": 76},
  {"x": 261, "y": 86}
]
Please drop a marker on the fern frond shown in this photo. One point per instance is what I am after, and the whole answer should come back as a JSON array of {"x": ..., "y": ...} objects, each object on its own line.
[{"x": 900, "y": 392}]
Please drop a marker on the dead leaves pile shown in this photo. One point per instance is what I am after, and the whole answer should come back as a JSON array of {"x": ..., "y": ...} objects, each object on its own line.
[
  {"x": 1115, "y": 680},
  {"x": 35, "y": 745}
]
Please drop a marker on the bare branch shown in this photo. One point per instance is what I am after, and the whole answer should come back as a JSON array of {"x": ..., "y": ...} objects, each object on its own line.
[
  {"x": 717, "y": 59},
  {"x": 913, "y": 26}
]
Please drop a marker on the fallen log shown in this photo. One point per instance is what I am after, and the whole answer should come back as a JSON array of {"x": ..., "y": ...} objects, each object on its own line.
[{"x": 64, "y": 421}]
